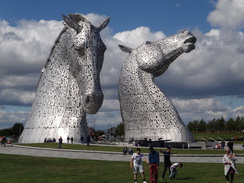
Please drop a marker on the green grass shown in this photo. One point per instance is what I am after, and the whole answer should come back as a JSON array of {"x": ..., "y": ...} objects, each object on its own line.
[
  {"x": 119, "y": 149},
  {"x": 27, "y": 169}
]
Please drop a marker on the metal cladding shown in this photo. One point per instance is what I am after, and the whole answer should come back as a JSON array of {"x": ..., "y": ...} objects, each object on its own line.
[
  {"x": 69, "y": 86},
  {"x": 146, "y": 111}
]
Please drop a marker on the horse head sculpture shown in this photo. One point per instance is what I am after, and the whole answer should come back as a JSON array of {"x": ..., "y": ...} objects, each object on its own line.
[
  {"x": 86, "y": 54},
  {"x": 69, "y": 86},
  {"x": 146, "y": 111}
]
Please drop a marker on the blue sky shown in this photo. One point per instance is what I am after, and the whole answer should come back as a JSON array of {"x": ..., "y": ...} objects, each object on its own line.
[
  {"x": 207, "y": 83},
  {"x": 167, "y": 15}
]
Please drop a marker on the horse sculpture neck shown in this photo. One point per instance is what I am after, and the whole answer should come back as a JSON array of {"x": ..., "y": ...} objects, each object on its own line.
[
  {"x": 146, "y": 111},
  {"x": 69, "y": 86}
]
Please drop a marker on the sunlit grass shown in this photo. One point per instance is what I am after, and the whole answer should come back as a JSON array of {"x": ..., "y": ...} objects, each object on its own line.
[{"x": 27, "y": 169}]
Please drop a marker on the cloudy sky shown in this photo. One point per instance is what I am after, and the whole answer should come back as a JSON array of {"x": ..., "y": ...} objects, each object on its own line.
[{"x": 204, "y": 84}]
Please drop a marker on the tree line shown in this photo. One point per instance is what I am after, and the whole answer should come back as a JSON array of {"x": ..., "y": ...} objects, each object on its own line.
[
  {"x": 217, "y": 125},
  {"x": 14, "y": 131}
]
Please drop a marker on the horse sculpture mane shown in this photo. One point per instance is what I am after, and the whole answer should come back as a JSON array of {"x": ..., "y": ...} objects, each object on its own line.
[
  {"x": 69, "y": 86},
  {"x": 146, "y": 111}
]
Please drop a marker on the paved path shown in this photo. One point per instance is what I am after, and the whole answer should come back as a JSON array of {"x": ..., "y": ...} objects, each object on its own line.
[{"x": 101, "y": 155}]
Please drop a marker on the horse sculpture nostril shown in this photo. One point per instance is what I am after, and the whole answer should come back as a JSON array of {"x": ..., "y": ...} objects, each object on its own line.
[{"x": 87, "y": 99}]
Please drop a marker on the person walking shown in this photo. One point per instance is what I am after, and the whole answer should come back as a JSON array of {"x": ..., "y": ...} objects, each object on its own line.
[
  {"x": 136, "y": 164},
  {"x": 153, "y": 165},
  {"x": 60, "y": 141},
  {"x": 72, "y": 140},
  {"x": 229, "y": 166},
  {"x": 167, "y": 161}
]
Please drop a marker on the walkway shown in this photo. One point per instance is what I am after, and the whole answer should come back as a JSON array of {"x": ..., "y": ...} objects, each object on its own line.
[{"x": 101, "y": 155}]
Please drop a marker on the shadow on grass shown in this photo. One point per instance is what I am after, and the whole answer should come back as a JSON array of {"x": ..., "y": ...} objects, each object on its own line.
[
  {"x": 185, "y": 178},
  {"x": 178, "y": 179}
]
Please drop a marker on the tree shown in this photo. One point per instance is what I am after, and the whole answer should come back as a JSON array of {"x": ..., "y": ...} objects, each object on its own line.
[
  {"x": 120, "y": 130},
  {"x": 17, "y": 129},
  {"x": 100, "y": 132},
  {"x": 230, "y": 125},
  {"x": 202, "y": 126},
  {"x": 220, "y": 123}
]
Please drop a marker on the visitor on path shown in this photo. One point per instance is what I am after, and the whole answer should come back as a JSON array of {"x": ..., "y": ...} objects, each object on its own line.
[
  {"x": 72, "y": 140},
  {"x": 68, "y": 138},
  {"x": 173, "y": 170},
  {"x": 60, "y": 141},
  {"x": 167, "y": 161},
  {"x": 82, "y": 139},
  {"x": 153, "y": 165},
  {"x": 222, "y": 144},
  {"x": 4, "y": 141},
  {"x": 230, "y": 145},
  {"x": 136, "y": 164},
  {"x": 229, "y": 166}
]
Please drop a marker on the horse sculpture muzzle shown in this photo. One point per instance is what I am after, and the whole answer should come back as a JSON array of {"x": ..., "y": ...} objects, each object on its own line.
[
  {"x": 188, "y": 44},
  {"x": 93, "y": 101}
]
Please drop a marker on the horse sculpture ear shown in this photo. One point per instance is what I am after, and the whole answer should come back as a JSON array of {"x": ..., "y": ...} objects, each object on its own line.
[
  {"x": 72, "y": 23},
  {"x": 103, "y": 24},
  {"x": 125, "y": 48}
]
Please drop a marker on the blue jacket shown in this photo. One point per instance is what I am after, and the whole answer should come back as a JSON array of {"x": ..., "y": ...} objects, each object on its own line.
[{"x": 154, "y": 158}]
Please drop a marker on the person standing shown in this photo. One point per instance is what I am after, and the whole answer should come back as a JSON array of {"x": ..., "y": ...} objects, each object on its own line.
[
  {"x": 230, "y": 145},
  {"x": 153, "y": 165},
  {"x": 136, "y": 164},
  {"x": 4, "y": 141},
  {"x": 167, "y": 161},
  {"x": 60, "y": 141},
  {"x": 229, "y": 166},
  {"x": 68, "y": 138},
  {"x": 82, "y": 139},
  {"x": 222, "y": 144}
]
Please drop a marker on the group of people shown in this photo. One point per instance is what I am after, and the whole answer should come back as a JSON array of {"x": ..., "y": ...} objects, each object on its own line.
[
  {"x": 153, "y": 161},
  {"x": 125, "y": 150},
  {"x": 71, "y": 139}
]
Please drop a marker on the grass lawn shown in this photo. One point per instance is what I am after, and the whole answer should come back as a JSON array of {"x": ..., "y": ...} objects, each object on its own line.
[
  {"x": 27, "y": 169},
  {"x": 119, "y": 149}
]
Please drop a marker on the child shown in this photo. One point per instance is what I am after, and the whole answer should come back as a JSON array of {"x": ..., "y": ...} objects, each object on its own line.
[
  {"x": 173, "y": 170},
  {"x": 136, "y": 164},
  {"x": 233, "y": 164}
]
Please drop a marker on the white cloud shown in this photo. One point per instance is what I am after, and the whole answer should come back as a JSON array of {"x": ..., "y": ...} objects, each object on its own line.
[
  {"x": 9, "y": 118},
  {"x": 12, "y": 96},
  {"x": 214, "y": 68},
  {"x": 206, "y": 108},
  {"x": 228, "y": 14},
  {"x": 138, "y": 36}
]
